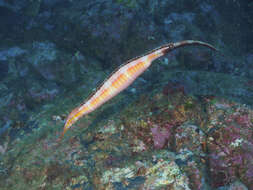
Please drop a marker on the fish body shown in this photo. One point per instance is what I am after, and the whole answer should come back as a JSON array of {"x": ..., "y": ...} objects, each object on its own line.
[{"x": 122, "y": 77}]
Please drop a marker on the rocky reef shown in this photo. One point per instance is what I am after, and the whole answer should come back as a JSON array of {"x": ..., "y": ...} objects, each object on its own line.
[{"x": 158, "y": 141}]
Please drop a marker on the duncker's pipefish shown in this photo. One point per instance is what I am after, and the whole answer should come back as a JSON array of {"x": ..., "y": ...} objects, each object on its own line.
[{"x": 122, "y": 77}]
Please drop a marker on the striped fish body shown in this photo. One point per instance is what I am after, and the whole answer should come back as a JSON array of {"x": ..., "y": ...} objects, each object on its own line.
[
  {"x": 121, "y": 79},
  {"x": 118, "y": 81}
]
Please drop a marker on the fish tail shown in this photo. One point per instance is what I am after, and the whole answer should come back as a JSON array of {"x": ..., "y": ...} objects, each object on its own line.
[{"x": 61, "y": 136}]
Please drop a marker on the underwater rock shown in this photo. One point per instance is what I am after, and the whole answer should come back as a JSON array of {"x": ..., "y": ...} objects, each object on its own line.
[
  {"x": 160, "y": 136},
  {"x": 32, "y": 8},
  {"x": 43, "y": 57},
  {"x": 230, "y": 146},
  {"x": 3, "y": 69},
  {"x": 237, "y": 186},
  {"x": 52, "y": 3},
  {"x": 11, "y": 53},
  {"x": 165, "y": 174},
  {"x": 195, "y": 168},
  {"x": 209, "y": 83},
  {"x": 174, "y": 24},
  {"x": 6, "y": 98},
  {"x": 249, "y": 65},
  {"x": 3, "y": 148},
  {"x": 51, "y": 64},
  {"x": 9, "y": 64},
  {"x": 121, "y": 154},
  {"x": 14, "y": 5},
  {"x": 189, "y": 137},
  {"x": 11, "y": 25},
  {"x": 5, "y": 128},
  {"x": 146, "y": 174},
  {"x": 41, "y": 93}
]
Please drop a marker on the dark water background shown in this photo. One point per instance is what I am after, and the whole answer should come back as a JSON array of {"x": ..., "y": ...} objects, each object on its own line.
[{"x": 53, "y": 53}]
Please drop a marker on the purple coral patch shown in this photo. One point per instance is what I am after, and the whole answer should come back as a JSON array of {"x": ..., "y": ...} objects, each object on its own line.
[{"x": 160, "y": 136}]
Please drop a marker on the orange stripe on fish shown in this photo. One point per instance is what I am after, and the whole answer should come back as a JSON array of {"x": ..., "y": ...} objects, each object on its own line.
[{"x": 122, "y": 77}]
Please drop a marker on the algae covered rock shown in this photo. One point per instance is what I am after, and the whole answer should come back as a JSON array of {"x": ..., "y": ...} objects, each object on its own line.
[{"x": 148, "y": 174}]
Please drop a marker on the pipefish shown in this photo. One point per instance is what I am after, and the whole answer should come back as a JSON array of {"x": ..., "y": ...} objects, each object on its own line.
[{"x": 122, "y": 77}]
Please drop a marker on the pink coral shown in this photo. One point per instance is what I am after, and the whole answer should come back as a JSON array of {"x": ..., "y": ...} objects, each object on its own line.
[
  {"x": 243, "y": 120},
  {"x": 160, "y": 136},
  {"x": 231, "y": 154}
]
